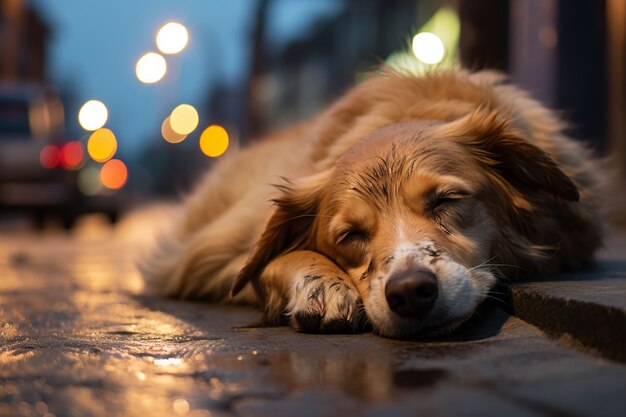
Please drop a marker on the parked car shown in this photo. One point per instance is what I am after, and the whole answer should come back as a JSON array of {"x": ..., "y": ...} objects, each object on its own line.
[{"x": 32, "y": 178}]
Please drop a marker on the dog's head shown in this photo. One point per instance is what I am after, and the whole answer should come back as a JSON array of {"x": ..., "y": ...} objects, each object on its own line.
[{"x": 419, "y": 214}]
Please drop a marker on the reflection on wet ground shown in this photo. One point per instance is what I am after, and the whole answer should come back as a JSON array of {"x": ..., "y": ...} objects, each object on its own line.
[{"x": 78, "y": 339}]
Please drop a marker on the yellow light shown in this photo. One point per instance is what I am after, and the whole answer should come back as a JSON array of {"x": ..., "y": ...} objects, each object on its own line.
[
  {"x": 168, "y": 133},
  {"x": 428, "y": 48},
  {"x": 102, "y": 145},
  {"x": 184, "y": 119},
  {"x": 93, "y": 115},
  {"x": 172, "y": 38},
  {"x": 214, "y": 141},
  {"x": 150, "y": 68}
]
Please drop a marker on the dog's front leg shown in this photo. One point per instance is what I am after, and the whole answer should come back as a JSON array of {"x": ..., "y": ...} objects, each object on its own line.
[{"x": 312, "y": 292}]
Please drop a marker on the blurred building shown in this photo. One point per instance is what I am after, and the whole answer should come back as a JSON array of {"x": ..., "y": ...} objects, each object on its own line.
[
  {"x": 293, "y": 80},
  {"x": 555, "y": 49},
  {"x": 23, "y": 37}
]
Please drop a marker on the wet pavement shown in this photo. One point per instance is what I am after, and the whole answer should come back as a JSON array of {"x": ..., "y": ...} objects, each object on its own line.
[{"x": 77, "y": 338}]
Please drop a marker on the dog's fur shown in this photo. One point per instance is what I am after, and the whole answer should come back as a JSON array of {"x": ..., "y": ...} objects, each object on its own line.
[{"x": 452, "y": 176}]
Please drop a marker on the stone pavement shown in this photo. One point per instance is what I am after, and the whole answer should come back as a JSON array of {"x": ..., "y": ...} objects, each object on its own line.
[{"x": 78, "y": 339}]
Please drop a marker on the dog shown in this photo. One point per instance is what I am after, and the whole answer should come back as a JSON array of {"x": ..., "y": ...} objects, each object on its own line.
[{"x": 397, "y": 209}]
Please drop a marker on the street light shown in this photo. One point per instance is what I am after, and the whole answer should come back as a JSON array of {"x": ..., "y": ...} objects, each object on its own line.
[
  {"x": 169, "y": 134},
  {"x": 214, "y": 141},
  {"x": 102, "y": 145},
  {"x": 172, "y": 38},
  {"x": 93, "y": 115},
  {"x": 150, "y": 68},
  {"x": 184, "y": 119},
  {"x": 113, "y": 174},
  {"x": 428, "y": 48}
]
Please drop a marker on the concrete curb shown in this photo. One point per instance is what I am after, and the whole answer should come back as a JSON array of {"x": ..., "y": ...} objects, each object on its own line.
[{"x": 588, "y": 309}]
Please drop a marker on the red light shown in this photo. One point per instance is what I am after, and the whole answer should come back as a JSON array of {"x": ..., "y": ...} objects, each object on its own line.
[
  {"x": 50, "y": 156},
  {"x": 72, "y": 155}
]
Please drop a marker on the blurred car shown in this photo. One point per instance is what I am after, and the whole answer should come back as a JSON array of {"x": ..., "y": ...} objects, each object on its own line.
[{"x": 32, "y": 178}]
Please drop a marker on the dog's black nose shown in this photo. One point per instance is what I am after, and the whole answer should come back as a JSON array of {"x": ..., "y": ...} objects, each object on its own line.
[{"x": 411, "y": 293}]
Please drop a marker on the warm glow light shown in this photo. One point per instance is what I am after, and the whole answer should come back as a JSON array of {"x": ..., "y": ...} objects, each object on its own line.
[
  {"x": 93, "y": 115},
  {"x": 214, "y": 141},
  {"x": 150, "y": 68},
  {"x": 184, "y": 119},
  {"x": 50, "y": 156},
  {"x": 168, "y": 133},
  {"x": 114, "y": 174},
  {"x": 72, "y": 155},
  {"x": 172, "y": 38},
  {"x": 180, "y": 406},
  {"x": 102, "y": 145},
  {"x": 89, "y": 181},
  {"x": 428, "y": 48}
]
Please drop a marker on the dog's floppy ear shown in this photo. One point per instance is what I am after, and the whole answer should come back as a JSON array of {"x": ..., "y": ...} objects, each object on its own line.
[
  {"x": 288, "y": 228},
  {"x": 497, "y": 147}
]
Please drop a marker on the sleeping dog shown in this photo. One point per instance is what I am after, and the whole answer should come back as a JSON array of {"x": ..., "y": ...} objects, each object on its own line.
[{"x": 397, "y": 208}]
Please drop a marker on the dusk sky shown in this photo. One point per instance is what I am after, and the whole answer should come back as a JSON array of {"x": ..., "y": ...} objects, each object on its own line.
[{"x": 94, "y": 47}]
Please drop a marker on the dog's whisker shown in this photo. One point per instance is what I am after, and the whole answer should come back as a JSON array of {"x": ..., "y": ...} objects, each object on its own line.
[{"x": 487, "y": 264}]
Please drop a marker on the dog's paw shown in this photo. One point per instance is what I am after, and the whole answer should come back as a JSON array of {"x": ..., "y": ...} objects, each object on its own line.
[{"x": 325, "y": 304}]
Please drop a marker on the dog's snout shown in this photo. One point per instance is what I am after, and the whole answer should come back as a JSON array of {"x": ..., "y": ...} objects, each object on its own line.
[{"x": 411, "y": 293}]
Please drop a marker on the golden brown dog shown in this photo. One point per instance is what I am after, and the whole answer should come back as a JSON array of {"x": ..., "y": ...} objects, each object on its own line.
[{"x": 400, "y": 206}]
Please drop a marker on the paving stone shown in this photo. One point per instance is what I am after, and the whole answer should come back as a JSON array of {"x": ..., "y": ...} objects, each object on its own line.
[{"x": 78, "y": 339}]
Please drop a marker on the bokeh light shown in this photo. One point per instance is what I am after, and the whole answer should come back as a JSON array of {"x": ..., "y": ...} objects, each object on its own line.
[
  {"x": 102, "y": 145},
  {"x": 180, "y": 406},
  {"x": 50, "y": 156},
  {"x": 93, "y": 115},
  {"x": 168, "y": 133},
  {"x": 150, "y": 68},
  {"x": 89, "y": 181},
  {"x": 72, "y": 155},
  {"x": 428, "y": 48},
  {"x": 114, "y": 174},
  {"x": 172, "y": 38},
  {"x": 214, "y": 141},
  {"x": 184, "y": 119}
]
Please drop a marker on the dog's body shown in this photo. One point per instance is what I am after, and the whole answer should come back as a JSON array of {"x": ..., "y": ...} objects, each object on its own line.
[{"x": 402, "y": 204}]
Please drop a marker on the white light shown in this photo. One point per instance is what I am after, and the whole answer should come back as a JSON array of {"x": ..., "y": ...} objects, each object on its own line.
[
  {"x": 93, "y": 115},
  {"x": 428, "y": 48},
  {"x": 172, "y": 38},
  {"x": 150, "y": 68}
]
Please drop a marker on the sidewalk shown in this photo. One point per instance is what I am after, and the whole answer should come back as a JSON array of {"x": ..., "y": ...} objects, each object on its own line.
[{"x": 77, "y": 339}]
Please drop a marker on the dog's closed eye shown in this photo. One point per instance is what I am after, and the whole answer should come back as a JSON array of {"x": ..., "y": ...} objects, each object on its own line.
[
  {"x": 442, "y": 200},
  {"x": 351, "y": 235},
  {"x": 444, "y": 207}
]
